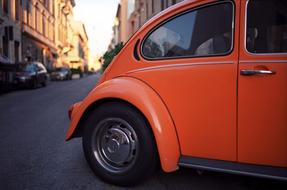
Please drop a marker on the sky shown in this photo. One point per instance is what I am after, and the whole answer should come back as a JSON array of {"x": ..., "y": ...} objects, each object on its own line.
[{"x": 98, "y": 17}]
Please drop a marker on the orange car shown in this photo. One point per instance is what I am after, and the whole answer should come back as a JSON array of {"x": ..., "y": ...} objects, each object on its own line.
[{"x": 201, "y": 85}]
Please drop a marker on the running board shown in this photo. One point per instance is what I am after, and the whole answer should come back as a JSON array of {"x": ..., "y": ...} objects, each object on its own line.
[{"x": 234, "y": 168}]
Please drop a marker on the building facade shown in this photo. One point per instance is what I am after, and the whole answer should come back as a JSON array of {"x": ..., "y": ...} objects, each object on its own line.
[
  {"x": 41, "y": 30},
  {"x": 64, "y": 30},
  {"x": 120, "y": 28},
  {"x": 78, "y": 56},
  {"x": 146, "y": 9},
  {"x": 10, "y": 29},
  {"x": 38, "y": 31},
  {"x": 132, "y": 14},
  {"x": 116, "y": 34}
]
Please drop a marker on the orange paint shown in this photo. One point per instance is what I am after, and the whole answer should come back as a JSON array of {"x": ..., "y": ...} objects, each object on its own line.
[{"x": 202, "y": 106}]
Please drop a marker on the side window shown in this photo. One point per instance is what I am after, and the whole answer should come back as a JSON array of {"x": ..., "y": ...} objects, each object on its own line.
[
  {"x": 202, "y": 32},
  {"x": 38, "y": 67},
  {"x": 266, "y": 26}
]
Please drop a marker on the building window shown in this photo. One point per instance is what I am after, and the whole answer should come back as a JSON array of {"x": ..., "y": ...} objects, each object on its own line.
[
  {"x": 36, "y": 19},
  {"x": 152, "y": 6},
  {"x": 139, "y": 20},
  {"x": 5, "y": 6},
  {"x": 43, "y": 25},
  {"x": 17, "y": 15},
  {"x": 147, "y": 15},
  {"x": 27, "y": 12},
  {"x": 5, "y": 45},
  {"x": 173, "y": 2},
  {"x": 133, "y": 27},
  {"x": 162, "y": 5},
  {"x": 17, "y": 53},
  {"x": 45, "y": 2}
]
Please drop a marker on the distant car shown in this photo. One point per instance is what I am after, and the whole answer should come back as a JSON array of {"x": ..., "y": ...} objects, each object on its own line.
[
  {"x": 61, "y": 73},
  {"x": 31, "y": 75}
]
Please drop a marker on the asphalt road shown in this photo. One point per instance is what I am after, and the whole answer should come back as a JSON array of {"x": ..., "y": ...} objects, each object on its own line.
[{"x": 34, "y": 155}]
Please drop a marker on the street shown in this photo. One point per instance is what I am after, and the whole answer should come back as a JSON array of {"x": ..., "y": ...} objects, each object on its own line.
[{"x": 34, "y": 154}]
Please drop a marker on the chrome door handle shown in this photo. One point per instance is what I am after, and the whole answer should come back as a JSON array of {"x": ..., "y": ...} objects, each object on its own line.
[{"x": 256, "y": 72}]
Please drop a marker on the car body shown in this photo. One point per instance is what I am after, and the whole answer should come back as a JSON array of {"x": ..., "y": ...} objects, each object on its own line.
[
  {"x": 61, "y": 73},
  {"x": 209, "y": 77},
  {"x": 31, "y": 75}
]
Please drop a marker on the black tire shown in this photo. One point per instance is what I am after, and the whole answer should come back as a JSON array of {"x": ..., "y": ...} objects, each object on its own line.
[
  {"x": 125, "y": 153},
  {"x": 44, "y": 83},
  {"x": 34, "y": 84}
]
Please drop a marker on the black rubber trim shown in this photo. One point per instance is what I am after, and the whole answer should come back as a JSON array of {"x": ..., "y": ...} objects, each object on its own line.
[
  {"x": 235, "y": 168},
  {"x": 136, "y": 55},
  {"x": 186, "y": 12}
]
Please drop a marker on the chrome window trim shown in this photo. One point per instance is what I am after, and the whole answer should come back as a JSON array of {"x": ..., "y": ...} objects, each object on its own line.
[
  {"x": 180, "y": 65},
  {"x": 186, "y": 12},
  {"x": 245, "y": 36}
]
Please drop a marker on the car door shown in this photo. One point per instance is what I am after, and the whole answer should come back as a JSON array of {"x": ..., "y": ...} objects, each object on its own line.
[
  {"x": 191, "y": 61},
  {"x": 41, "y": 73},
  {"x": 38, "y": 73},
  {"x": 34, "y": 70},
  {"x": 262, "y": 84}
]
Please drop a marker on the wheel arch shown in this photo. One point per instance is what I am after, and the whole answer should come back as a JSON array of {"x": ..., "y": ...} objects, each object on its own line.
[
  {"x": 80, "y": 126},
  {"x": 145, "y": 100}
]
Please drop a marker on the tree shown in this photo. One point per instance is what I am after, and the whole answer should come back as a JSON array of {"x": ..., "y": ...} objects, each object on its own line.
[{"x": 109, "y": 55}]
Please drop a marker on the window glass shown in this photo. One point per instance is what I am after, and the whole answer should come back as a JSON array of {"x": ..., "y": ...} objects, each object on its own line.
[
  {"x": 266, "y": 26},
  {"x": 39, "y": 68},
  {"x": 202, "y": 32},
  {"x": 30, "y": 68}
]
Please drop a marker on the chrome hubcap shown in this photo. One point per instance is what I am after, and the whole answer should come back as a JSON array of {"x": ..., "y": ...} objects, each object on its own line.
[{"x": 115, "y": 144}]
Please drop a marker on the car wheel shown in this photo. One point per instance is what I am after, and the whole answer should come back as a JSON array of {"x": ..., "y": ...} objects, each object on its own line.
[
  {"x": 34, "y": 84},
  {"x": 119, "y": 145}
]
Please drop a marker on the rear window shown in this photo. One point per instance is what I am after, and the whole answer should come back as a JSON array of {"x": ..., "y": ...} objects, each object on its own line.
[
  {"x": 29, "y": 68},
  {"x": 266, "y": 26}
]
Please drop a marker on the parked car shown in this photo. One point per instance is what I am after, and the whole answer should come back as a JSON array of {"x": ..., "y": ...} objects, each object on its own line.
[
  {"x": 31, "y": 75},
  {"x": 61, "y": 73},
  {"x": 201, "y": 85}
]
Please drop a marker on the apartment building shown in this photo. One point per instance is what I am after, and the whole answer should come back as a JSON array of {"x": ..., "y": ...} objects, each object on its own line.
[
  {"x": 132, "y": 14},
  {"x": 38, "y": 31},
  {"x": 146, "y": 9},
  {"x": 78, "y": 56},
  {"x": 120, "y": 28},
  {"x": 10, "y": 29},
  {"x": 64, "y": 30}
]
